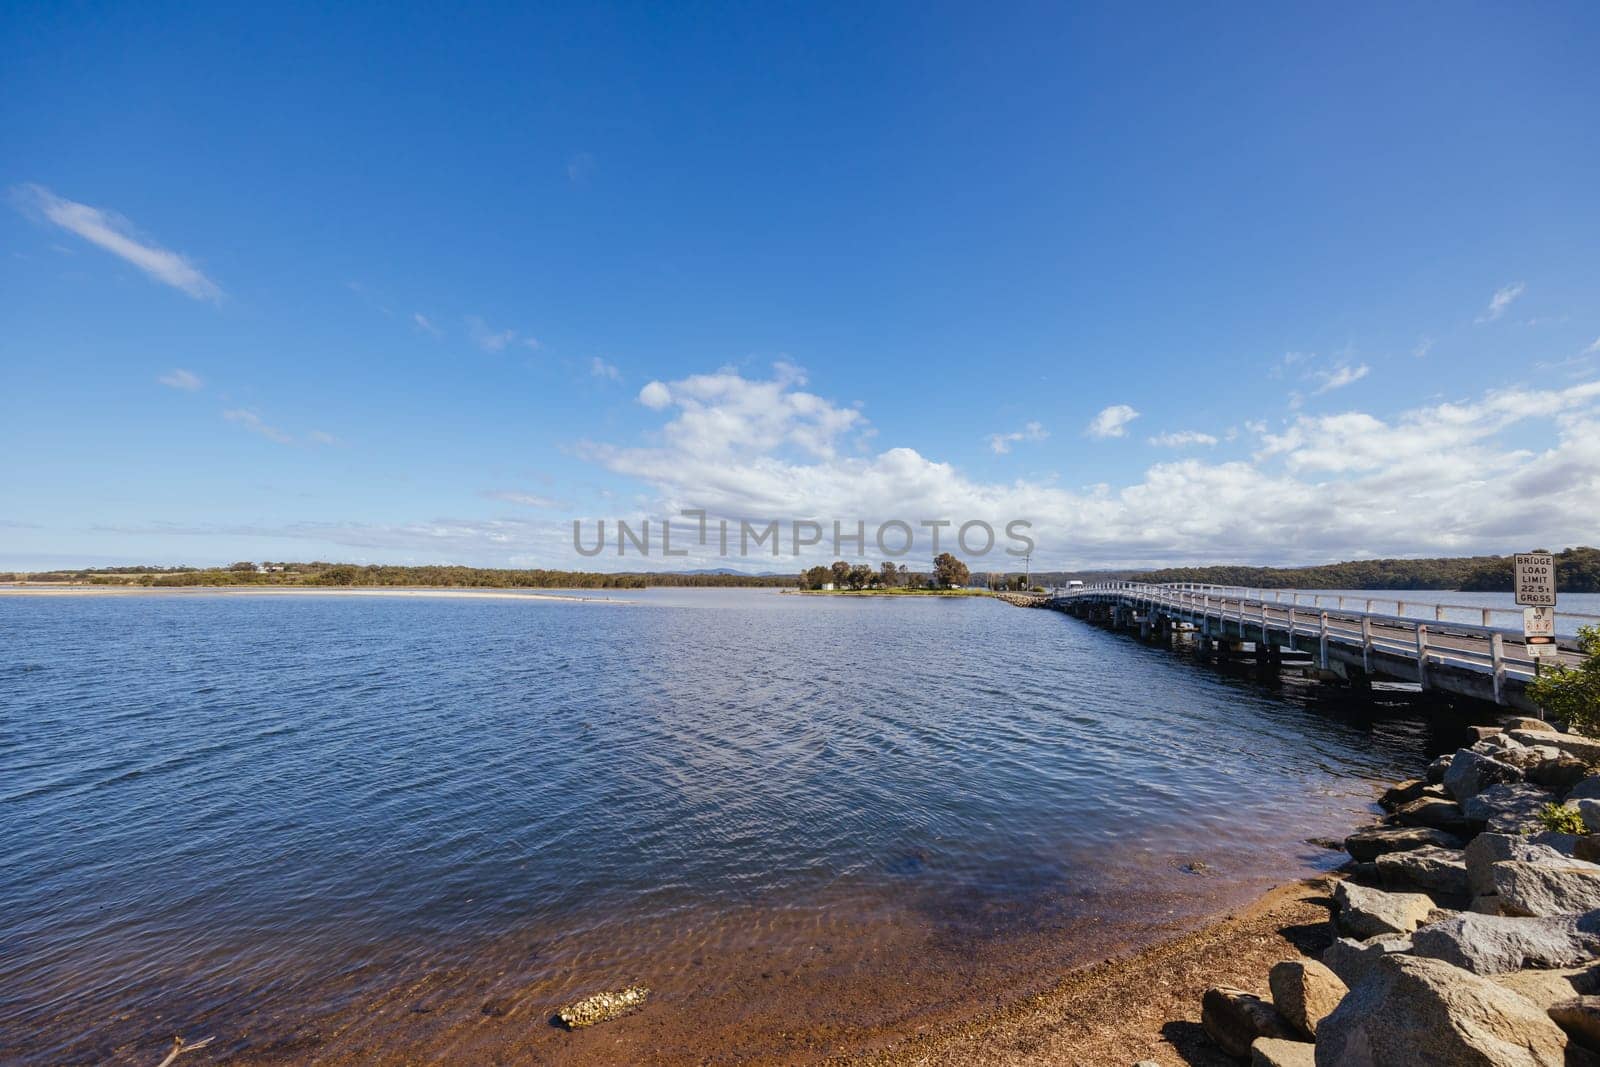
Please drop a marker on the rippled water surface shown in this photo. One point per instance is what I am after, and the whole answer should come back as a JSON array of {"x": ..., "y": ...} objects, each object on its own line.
[{"x": 255, "y": 816}]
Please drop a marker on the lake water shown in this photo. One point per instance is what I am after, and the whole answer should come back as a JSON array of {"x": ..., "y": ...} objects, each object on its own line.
[{"x": 408, "y": 829}]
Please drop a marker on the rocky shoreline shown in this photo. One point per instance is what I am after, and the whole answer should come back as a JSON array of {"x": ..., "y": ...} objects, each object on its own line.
[{"x": 1467, "y": 927}]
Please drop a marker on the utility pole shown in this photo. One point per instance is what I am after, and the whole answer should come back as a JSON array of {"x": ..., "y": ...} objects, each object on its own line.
[{"x": 1027, "y": 572}]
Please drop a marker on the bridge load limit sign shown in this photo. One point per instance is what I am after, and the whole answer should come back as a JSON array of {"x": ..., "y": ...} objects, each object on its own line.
[{"x": 1534, "y": 576}]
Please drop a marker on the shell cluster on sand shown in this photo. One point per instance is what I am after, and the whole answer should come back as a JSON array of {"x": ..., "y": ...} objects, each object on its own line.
[{"x": 602, "y": 1007}]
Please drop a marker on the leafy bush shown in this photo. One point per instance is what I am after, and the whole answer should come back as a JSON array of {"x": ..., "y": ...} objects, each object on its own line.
[
  {"x": 1561, "y": 819},
  {"x": 1572, "y": 694}
]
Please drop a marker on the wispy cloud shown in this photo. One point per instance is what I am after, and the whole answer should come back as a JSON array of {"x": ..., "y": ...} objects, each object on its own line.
[
  {"x": 1000, "y": 443},
  {"x": 188, "y": 381},
  {"x": 425, "y": 324},
  {"x": 253, "y": 422},
  {"x": 1593, "y": 347},
  {"x": 1503, "y": 298},
  {"x": 601, "y": 369},
  {"x": 1423, "y": 347},
  {"x": 579, "y": 167},
  {"x": 492, "y": 340},
  {"x": 116, "y": 235},
  {"x": 1184, "y": 438},
  {"x": 1339, "y": 377},
  {"x": 1112, "y": 421},
  {"x": 256, "y": 425},
  {"x": 527, "y": 500}
]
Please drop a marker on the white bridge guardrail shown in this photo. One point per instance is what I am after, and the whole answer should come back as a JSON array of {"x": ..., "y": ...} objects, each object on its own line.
[{"x": 1334, "y": 618}]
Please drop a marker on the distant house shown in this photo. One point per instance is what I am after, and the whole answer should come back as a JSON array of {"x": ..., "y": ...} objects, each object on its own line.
[
  {"x": 271, "y": 568},
  {"x": 827, "y": 587}
]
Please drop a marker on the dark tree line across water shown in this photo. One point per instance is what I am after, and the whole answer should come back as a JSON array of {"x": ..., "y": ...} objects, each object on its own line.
[{"x": 1577, "y": 571}]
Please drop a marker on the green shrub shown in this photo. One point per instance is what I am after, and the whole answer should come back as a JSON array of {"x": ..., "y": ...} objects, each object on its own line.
[
  {"x": 1561, "y": 819},
  {"x": 1572, "y": 694}
]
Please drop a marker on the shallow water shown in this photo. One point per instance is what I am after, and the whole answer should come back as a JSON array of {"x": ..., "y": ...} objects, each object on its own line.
[{"x": 232, "y": 815}]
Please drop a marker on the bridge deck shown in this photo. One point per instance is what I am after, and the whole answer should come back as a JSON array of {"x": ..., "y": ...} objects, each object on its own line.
[{"x": 1460, "y": 649}]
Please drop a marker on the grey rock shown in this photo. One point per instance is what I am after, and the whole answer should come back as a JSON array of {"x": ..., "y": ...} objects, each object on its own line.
[
  {"x": 1438, "y": 813},
  {"x": 1566, "y": 844},
  {"x": 1525, "y": 724},
  {"x": 1545, "y": 988},
  {"x": 1470, "y": 772},
  {"x": 1588, "y": 788},
  {"x": 1508, "y": 807},
  {"x": 1526, "y": 757},
  {"x": 1497, "y": 944},
  {"x": 1353, "y": 960},
  {"x": 1584, "y": 748},
  {"x": 1305, "y": 992},
  {"x": 1435, "y": 772},
  {"x": 1560, "y": 774},
  {"x": 1367, "y": 845},
  {"x": 1234, "y": 1019},
  {"x": 1589, "y": 812},
  {"x": 1429, "y": 870},
  {"x": 1484, "y": 733},
  {"x": 1488, "y": 849},
  {"x": 1488, "y": 904},
  {"x": 1403, "y": 793},
  {"x": 1419, "y": 1011},
  {"x": 1543, "y": 889},
  {"x": 1363, "y": 912},
  {"x": 1276, "y": 1052}
]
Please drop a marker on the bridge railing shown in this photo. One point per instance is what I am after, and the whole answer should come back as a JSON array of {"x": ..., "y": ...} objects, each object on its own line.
[{"x": 1506, "y": 620}]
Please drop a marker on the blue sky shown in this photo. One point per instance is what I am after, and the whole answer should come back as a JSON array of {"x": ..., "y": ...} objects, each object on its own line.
[{"x": 381, "y": 284}]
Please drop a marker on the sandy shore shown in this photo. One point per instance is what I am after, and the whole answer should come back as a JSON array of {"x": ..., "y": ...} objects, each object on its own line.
[
  {"x": 1143, "y": 1006},
  {"x": 268, "y": 590}
]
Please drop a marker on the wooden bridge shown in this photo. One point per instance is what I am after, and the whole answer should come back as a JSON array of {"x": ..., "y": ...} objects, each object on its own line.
[{"x": 1462, "y": 650}]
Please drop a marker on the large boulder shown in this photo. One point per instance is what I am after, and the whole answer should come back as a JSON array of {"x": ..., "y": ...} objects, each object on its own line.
[
  {"x": 1367, "y": 845},
  {"x": 1419, "y": 1011},
  {"x": 1542, "y": 889},
  {"x": 1560, "y": 774},
  {"x": 1499, "y": 944},
  {"x": 1507, "y": 807},
  {"x": 1589, "y": 812},
  {"x": 1235, "y": 1018},
  {"x": 1435, "y": 772},
  {"x": 1276, "y": 1052},
  {"x": 1526, "y": 757},
  {"x": 1580, "y": 1018},
  {"x": 1305, "y": 992},
  {"x": 1363, "y": 912},
  {"x": 1584, "y": 748},
  {"x": 1545, "y": 988},
  {"x": 1488, "y": 849},
  {"x": 1353, "y": 960},
  {"x": 1588, "y": 788},
  {"x": 1438, "y": 813},
  {"x": 1430, "y": 870},
  {"x": 1470, "y": 772},
  {"x": 1518, "y": 722},
  {"x": 1403, "y": 793}
]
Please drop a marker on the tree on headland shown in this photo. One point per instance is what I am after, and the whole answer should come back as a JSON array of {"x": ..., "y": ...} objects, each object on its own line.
[
  {"x": 859, "y": 576},
  {"x": 816, "y": 578},
  {"x": 243, "y": 566},
  {"x": 890, "y": 576},
  {"x": 949, "y": 571},
  {"x": 841, "y": 574},
  {"x": 1572, "y": 694}
]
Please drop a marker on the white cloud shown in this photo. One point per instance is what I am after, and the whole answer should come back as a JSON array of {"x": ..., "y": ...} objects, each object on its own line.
[
  {"x": 655, "y": 396},
  {"x": 490, "y": 340},
  {"x": 1112, "y": 421},
  {"x": 1441, "y": 479},
  {"x": 426, "y": 325},
  {"x": 1339, "y": 377},
  {"x": 601, "y": 369},
  {"x": 188, "y": 381},
  {"x": 1422, "y": 348},
  {"x": 1185, "y": 438},
  {"x": 1502, "y": 299},
  {"x": 527, "y": 500},
  {"x": 256, "y": 425},
  {"x": 1000, "y": 443},
  {"x": 1593, "y": 347},
  {"x": 117, "y": 236}
]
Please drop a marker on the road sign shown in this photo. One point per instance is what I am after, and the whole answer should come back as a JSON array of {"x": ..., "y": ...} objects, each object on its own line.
[
  {"x": 1539, "y": 622},
  {"x": 1534, "y": 578}
]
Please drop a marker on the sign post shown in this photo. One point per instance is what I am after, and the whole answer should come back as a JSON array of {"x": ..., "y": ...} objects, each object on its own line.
[{"x": 1534, "y": 579}]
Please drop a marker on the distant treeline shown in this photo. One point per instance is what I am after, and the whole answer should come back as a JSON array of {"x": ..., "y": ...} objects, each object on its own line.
[
  {"x": 349, "y": 574},
  {"x": 1577, "y": 571}
]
